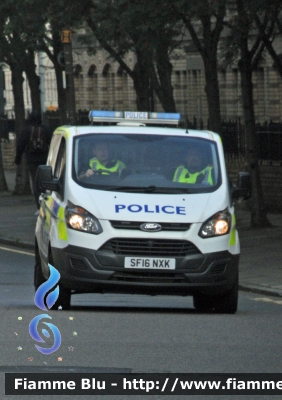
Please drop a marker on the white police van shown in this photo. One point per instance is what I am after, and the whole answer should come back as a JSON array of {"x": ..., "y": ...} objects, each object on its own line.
[{"x": 122, "y": 212}]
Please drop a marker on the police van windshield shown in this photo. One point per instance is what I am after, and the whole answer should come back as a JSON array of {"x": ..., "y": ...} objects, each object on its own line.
[{"x": 146, "y": 163}]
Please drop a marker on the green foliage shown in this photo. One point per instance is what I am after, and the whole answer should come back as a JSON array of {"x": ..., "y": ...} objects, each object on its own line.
[
  {"x": 21, "y": 27},
  {"x": 135, "y": 25},
  {"x": 242, "y": 24}
]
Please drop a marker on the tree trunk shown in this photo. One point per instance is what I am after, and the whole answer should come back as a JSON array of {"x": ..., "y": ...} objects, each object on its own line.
[
  {"x": 33, "y": 81},
  {"x": 62, "y": 98},
  {"x": 211, "y": 31},
  {"x": 22, "y": 178},
  {"x": 3, "y": 183},
  {"x": 61, "y": 91},
  {"x": 141, "y": 84},
  {"x": 268, "y": 44},
  {"x": 211, "y": 35},
  {"x": 212, "y": 92},
  {"x": 162, "y": 81},
  {"x": 258, "y": 211}
]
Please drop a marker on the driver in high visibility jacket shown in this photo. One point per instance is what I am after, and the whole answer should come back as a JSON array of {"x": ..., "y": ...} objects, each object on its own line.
[
  {"x": 102, "y": 162},
  {"x": 195, "y": 169}
]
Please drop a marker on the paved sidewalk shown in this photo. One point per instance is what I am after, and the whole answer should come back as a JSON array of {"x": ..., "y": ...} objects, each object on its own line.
[
  {"x": 17, "y": 217},
  {"x": 261, "y": 249}
]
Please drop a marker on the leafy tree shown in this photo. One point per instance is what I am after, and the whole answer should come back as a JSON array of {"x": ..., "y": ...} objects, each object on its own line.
[
  {"x": 268, "y": 22},
  {"x": 23, "y": 24},
  {"x": 3, "y": 183},
  {"x": 27, "y": 22},
  {"x": 139, "y": 73},
  {"x": 149, "y": 30},
  {"x": 51, "y": 45},
  {"x": 204, "y": 20},
  {"x": 10, "y": 52},
  {"x": 59, "y": 14},
  {"x": 249, "y": 50}
]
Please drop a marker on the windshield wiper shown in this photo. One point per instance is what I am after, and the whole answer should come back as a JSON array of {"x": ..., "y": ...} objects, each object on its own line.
[
  {"x": 142, "y": 189},
  {"x": 148, "y": 189}
]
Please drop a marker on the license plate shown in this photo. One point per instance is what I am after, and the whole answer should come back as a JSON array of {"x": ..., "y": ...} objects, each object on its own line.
[{"x": 149, "y": 263}]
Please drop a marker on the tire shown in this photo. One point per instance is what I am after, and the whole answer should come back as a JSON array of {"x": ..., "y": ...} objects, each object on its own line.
[
  {"x": 64, "y": 299},
  {"x": 203, "y": 303},
  {"x": 38, "y": 278},
  {"x": 226, "y": 303}
]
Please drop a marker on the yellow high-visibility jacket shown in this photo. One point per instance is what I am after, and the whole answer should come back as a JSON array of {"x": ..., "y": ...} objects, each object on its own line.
[
  {"x": 183, "y": 175},
  {"x": 95, "y": 164}
]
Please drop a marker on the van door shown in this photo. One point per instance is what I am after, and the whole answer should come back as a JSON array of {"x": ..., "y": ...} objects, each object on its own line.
[{"x": 51, "y": 211}]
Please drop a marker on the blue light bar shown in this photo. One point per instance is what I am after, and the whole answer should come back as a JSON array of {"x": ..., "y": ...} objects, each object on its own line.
[
  {"x": 150, "y": 118},
  {"x": 105, "y": 114},
  {"x": 160, "y": 115}
]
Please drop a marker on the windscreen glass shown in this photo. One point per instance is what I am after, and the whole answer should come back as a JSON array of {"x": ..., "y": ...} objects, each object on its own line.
[{"x": 146, "y": 163}]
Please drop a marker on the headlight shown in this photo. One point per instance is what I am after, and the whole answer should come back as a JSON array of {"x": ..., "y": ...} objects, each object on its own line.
[
  {"x": 81, "y": 220},
  {"x": 219, "y": 224}
]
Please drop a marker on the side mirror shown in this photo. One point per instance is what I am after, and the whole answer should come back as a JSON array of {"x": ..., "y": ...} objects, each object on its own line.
[
  {"x": 243, "y": 188},
  {"x": 44, "y": 179}
]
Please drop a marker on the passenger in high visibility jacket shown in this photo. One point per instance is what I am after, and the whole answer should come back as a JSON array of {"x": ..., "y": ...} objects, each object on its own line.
[
  {"x": 194, "y": 170},
  {"x": 102, "y": 162}
]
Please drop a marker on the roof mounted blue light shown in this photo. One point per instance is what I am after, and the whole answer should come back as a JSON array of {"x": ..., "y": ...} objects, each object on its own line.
[
  {"x": 105, "y": 114},
  {"x": 144, "y": 117},
  {"x": 160, "y": 115}
]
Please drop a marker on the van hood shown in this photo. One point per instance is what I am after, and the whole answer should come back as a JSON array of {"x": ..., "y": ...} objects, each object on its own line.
[{"x": 106, "y": 205}]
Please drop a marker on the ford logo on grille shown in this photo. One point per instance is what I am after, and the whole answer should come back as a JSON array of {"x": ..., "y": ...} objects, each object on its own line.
[{"x": 150, "y": 227}]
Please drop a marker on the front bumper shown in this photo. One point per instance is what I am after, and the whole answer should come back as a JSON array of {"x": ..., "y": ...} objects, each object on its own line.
[{"x": 83, "y": 270}]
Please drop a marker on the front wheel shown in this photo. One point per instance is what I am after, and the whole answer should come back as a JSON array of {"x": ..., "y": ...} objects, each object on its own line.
[
  {"x": 63, "y": 301},
  {"x": 226, "y": 303},
  {"x": 38, "y": 278},
  {"x": 203, "y": 303}
]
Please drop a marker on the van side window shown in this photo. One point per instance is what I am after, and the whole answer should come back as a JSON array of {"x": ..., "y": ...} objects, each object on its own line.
[
  {"x": 60, "y": 167},
  {"x": 54, "y": 148}
]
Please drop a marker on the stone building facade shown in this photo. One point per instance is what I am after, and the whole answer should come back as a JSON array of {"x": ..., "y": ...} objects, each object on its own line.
[
  {"x": 100, "y": 83},
  {"x": 48, "y": 87}
]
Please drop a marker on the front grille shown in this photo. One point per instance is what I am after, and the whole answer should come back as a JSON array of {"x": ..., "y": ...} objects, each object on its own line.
[
  {"x": 78, "y": 263},
  {"x": 147, "y": 247},
  {"x": 148, "y": 277},
  {"x": 166, "y": 226},
  {"x": 218, "y": 269}
]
